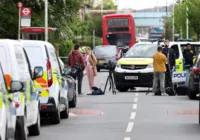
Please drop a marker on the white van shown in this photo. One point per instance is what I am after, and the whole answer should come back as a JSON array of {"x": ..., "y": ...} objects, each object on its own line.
[
  {"x": 53, "y": 97},
  {"x": 16, "y": 67},
  {"x": 7, "y": 111}
]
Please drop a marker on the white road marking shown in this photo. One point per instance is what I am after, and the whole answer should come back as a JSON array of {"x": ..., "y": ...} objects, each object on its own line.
[
  {"x": 134, "y": 106},
  {"x": 127, "y": 138},
  {"x": 136, "y": 94},
  {"x": 136, "y": 100},
  {"x": 133, "y": 114},
  {"x": 129, "y": 127},
  {"x": 72, "y": 114}
]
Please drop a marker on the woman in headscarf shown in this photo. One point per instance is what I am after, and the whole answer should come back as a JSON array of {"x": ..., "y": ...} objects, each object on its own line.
[{"x": 91, "y": 69}]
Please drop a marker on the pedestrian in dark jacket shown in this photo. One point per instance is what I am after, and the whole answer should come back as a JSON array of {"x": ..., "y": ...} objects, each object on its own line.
[
  {"x": 189, "y": 55},
  {"x": 171, "y": 62},
  {"x": 77, "y": 57}
]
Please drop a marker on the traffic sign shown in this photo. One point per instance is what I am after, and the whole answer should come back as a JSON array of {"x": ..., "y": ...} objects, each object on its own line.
[
  {"x": 26, "y": 12},
  {"x": 19, "y": 4}
]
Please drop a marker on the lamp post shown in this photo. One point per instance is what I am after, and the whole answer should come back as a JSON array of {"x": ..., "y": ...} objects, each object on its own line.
[
  {"x": 173, "y": 21},
  {"x": 101, "y": 7},
  {"x": 46, "y": 20},
  {"x": 187, "y": 28}
]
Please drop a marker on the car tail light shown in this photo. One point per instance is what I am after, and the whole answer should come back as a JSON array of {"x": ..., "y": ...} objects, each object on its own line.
[
  {"x": 43, "y": 107},
  {"x": 117, "y": 57},
  {"x": 17, "y": 104},
  {"x": 196, "y": 70},
  {"x": 49, "y": 73}
]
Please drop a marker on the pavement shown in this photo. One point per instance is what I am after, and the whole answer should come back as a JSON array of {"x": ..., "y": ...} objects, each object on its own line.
[{"x": 131, "y": 115}]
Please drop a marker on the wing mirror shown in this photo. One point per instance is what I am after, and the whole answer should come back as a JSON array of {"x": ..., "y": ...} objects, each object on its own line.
[
  {"x": 66, "y": 71},
  {"x": 38, "y": 72},
  {"x": 187, "y": 66},
  {"x": 17, "y": 86}
]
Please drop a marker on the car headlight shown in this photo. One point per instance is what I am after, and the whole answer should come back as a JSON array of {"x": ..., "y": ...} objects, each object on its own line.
[
  {"x": 118, "y": 65},
  {"x": 150, "y": 66}
]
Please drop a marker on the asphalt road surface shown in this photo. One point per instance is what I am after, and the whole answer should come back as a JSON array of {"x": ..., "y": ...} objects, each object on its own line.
[{"x": 126, "y": 116}]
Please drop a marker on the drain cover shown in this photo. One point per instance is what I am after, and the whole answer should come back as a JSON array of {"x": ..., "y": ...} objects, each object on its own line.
[
  {"x": 86, "y": 112},
  {"x": 183, "y": 112}
]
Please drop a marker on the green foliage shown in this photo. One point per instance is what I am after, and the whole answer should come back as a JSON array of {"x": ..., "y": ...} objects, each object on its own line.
[
  {"x": 62, "y": 15},
  {"x": 95, "y": 24},
  {"x": 107, "y": 5},
  {"x": 193, "y": 17},
  {"x": 65, "y": 48}
]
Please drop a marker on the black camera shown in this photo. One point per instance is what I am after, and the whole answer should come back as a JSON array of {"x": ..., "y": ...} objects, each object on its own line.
[{"x": 111, "y": 65}]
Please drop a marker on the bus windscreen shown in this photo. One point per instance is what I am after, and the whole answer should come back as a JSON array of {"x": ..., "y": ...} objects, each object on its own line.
[{"x": 119, "y": 40}]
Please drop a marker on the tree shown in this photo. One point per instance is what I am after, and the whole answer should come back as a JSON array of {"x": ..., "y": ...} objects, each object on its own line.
[
  {"x": 62, "y": 15},
  {"x": 107, "y": 5},
  {"x": 194, "y": 17}
]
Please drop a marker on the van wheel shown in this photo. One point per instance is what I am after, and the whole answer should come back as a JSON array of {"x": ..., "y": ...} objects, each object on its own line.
[
  {"x": 191, "y": 94},
  {"x": 55, "y": 117},
  {"x": 98, "y": 69},
  {"x": 122, "y": 89},
  {"x": 181, "y": 91},
  {"x": 21, "y": 130},
  {"x": 35, "y": 129},
  {"x": 65, "y": 114},
  {"x": 73, "y": 103}
]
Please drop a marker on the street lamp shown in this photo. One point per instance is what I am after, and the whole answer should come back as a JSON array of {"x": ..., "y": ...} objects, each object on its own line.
[
  {"x": 101, "y": 7},
  {"x": 187, "y": 28},
  {"x": 173, "y": 21},
  {"x": 46, "y": 20}
]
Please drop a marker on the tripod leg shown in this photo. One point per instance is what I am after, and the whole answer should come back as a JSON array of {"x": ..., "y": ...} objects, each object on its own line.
[
  {"x": 106, "y": 85},
  {"x": 113, "y": 85}
]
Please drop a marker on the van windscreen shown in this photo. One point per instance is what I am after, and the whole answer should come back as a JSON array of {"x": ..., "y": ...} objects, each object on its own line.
[{"x": 35, "y": 55}]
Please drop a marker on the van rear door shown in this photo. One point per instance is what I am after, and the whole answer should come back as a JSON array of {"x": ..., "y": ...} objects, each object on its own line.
[
  {"x": 5, "y": 60},
  {"x": 37, "y": 57}
]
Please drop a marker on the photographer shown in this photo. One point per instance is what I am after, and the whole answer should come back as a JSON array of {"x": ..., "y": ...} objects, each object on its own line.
[
  {"x": 74, "y": 58},
  {"x": 159, "y": 61}
]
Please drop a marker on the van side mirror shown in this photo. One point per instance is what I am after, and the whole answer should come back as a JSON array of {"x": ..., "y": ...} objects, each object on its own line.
[
  {"x": 66, "y": 71},
  {"x": 16, "y": 86},
  {"x": 38, "y": 72},
  {"x": 187, "y": 66}
]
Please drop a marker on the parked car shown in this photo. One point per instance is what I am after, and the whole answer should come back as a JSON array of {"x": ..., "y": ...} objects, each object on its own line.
[
  {"x": 194, "y": 78},
  {"x": 53, "y": 88},
  {"x": 104, "y": 54},
  {"x": 72, "y": 94},
  {"x": 16, "y": 67}
]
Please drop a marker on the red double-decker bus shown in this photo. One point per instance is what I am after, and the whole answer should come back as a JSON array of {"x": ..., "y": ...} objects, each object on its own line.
[{"x": 119, "y": 30}]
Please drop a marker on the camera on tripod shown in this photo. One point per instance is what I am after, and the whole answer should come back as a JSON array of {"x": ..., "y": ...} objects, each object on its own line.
[{"x": 111, "y": 65}]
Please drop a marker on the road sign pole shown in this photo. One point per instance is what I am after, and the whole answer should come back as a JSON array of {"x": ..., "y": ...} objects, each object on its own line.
[
  {"x": 46, "y": 20},
  {"x": 93, "y": 38},
  {"x": 19, "y": 26}
]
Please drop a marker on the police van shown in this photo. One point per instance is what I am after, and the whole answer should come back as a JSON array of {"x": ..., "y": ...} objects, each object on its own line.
[
  {"x": 16, "y": 67},
  {"x": 180, "y": 74},
  {"x": 54, "y": 89},
  {"x": 8, "y": 109}
]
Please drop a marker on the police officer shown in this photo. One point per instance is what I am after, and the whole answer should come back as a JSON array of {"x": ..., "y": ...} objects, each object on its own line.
[
  {"x": 189, "y": 55},
  {"x": 170, "y": 65}
]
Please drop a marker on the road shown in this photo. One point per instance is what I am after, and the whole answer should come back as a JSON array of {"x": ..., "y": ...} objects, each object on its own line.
[{"x": 126, "y": 116}]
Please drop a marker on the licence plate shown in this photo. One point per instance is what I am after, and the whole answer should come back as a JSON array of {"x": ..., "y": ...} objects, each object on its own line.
[
  {"x": 131, "y": 77},
  {"x": 101, "y": 61}
]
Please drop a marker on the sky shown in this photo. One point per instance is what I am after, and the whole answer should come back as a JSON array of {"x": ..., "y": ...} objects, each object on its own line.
[{"x": 141, "y": 4}]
